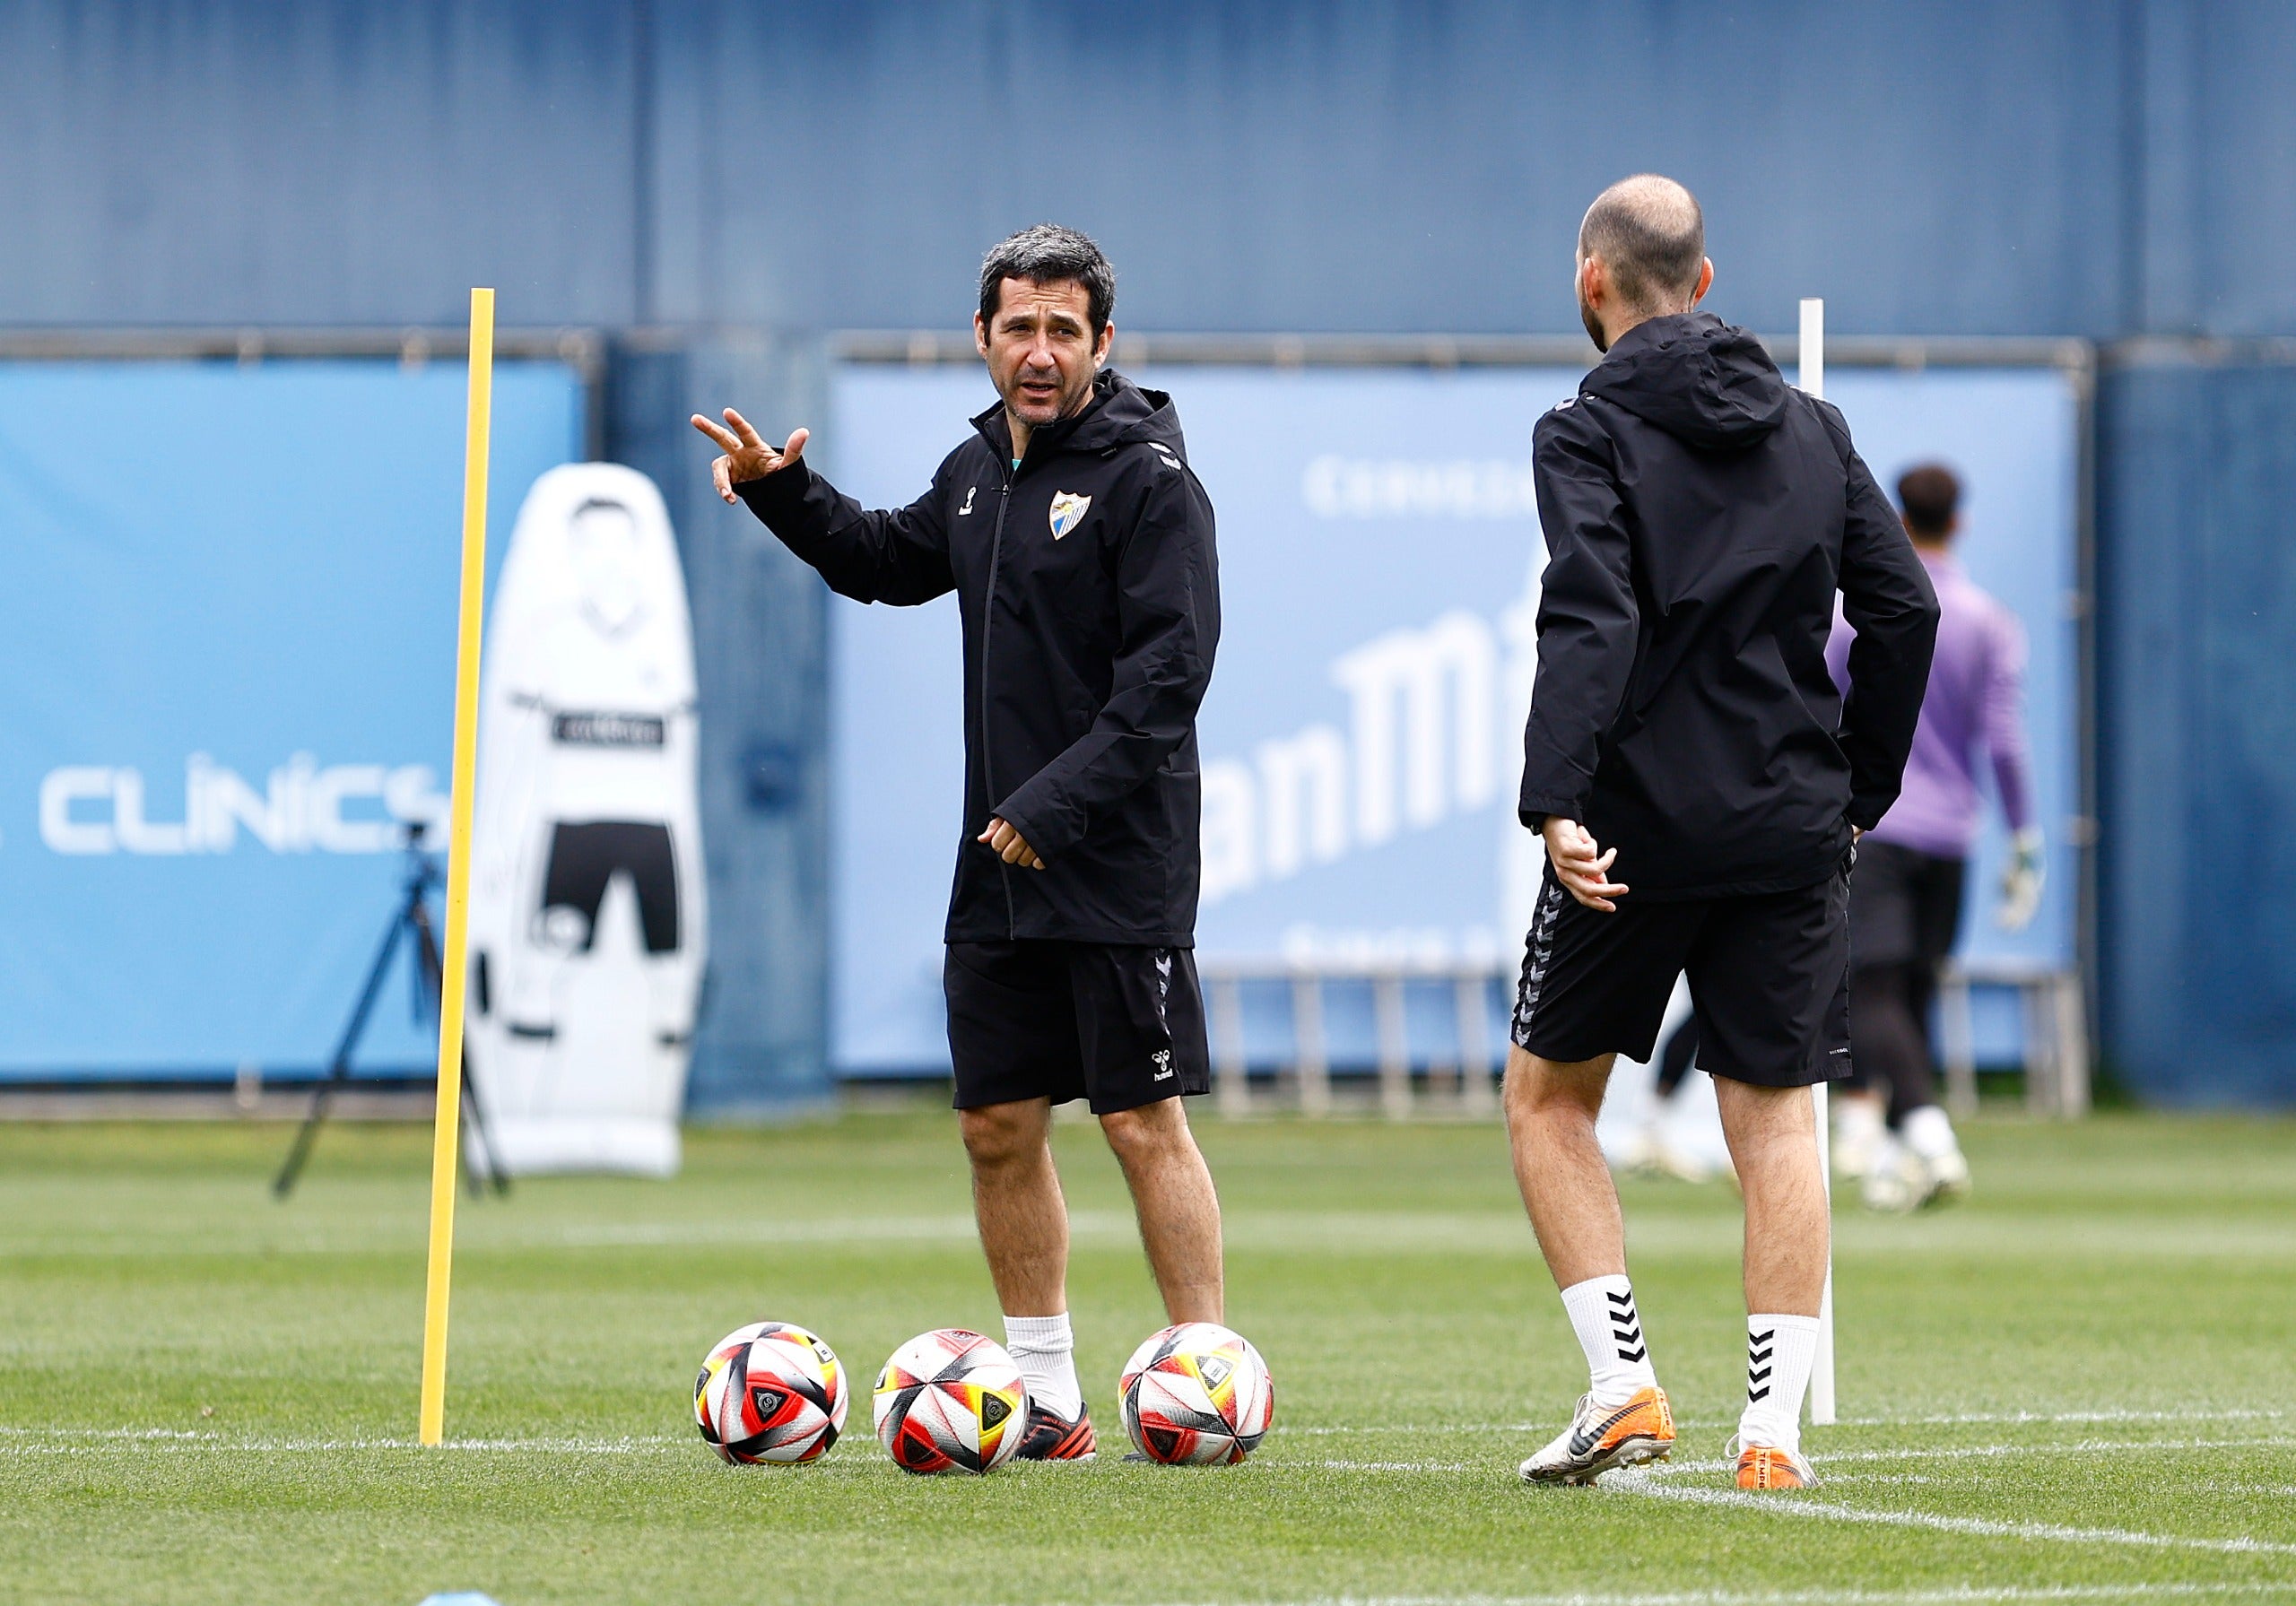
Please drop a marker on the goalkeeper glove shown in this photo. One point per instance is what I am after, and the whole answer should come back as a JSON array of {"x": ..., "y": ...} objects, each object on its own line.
[{"x": 2022, "y": 881}]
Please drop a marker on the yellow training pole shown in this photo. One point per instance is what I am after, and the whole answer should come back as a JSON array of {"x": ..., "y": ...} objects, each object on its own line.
[{"x": 446, "y": 1124}]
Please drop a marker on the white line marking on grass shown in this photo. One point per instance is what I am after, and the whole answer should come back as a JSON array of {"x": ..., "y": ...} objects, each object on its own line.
[
  {"x": 2089, "y": 1446},
  {"x": 1968, "y": 1419},
  {"x": 393, "y": 1232},
  {"x": 1957, "y": 1596},
  {"x": 1677, "y": 1468},
  {"x": 1650, "y": 1488},
  {"x": 2013, "y": 1417},
  {"x": 90, "y": 1441}
]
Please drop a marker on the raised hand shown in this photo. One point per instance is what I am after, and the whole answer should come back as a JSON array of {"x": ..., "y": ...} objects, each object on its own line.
[
  {"x": 1583, "y": 873},
  {"x": 747, "y": 456},
  {"x": 1005, "y": 842}
]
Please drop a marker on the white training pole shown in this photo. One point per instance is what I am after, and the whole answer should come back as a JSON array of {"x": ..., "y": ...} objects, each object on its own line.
[{"x": 1813, "y": 379}]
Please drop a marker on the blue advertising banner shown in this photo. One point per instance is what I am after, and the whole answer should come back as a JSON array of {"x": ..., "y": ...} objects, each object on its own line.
[
  {"x": 229, "y": 636},
  {"x": 1380, "y": 557}
]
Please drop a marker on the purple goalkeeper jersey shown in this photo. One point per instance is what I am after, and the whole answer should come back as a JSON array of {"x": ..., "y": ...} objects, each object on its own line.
[{"x": 1975, "y": 707}]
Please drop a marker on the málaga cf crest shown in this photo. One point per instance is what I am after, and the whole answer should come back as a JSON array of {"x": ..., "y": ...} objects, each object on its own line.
[{"x": 1069, "y": 510}]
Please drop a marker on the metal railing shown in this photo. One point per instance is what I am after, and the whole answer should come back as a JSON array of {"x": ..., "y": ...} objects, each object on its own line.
[
  {"x": 1468, "y": 1085},
  {"x": 2055, "y": 1034}
]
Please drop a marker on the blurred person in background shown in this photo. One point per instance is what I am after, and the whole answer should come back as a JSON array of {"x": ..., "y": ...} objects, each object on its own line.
[
  {"x": 1080, "y": 546},
  {"x": 1653, "y": 1150},
  {"x": 1905, "y": 898}
]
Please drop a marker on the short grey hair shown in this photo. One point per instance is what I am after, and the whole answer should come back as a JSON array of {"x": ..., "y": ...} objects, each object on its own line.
[
  {"x": 1651, "y": 236},
  {"x": 1048, "y": 254}
]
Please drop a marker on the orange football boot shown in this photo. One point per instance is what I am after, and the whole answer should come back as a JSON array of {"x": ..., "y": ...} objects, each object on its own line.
[
  {"x": 1603, "y": 1436},
  {"x": 1764, "y": 1466}
]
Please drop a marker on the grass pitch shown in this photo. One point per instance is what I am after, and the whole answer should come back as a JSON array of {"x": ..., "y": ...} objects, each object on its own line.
[{"x": 2081, "y": 1385}]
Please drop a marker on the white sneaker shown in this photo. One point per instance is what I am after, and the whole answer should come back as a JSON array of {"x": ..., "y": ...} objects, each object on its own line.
[
  {"x": 1649, "y": 1153},
  {"x": 1900, "y": 1184},
  {"x": 1667, "y": 1160},
  {"x": 1949, "y": 1177},
  {"x": 1638, "y": 1154}
]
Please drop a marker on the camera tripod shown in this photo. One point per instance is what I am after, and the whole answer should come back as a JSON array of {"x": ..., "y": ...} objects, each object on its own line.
[{"x": 412, "y": 924}]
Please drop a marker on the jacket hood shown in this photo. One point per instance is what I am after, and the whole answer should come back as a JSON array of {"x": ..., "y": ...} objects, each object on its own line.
[
  {"x": 1119, "y": 414},
  {"x": 1704, "y": 382}
]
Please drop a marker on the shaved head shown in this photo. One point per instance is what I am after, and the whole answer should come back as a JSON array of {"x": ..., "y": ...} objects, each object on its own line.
[{"x": 1651, "y": 237}]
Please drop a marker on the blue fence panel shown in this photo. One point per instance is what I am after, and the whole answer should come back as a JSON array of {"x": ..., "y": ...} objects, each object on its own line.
[
  {"x": 230, "y": 634},
  {"x": 1379, "y": 551},
  {"x": 2198, "y": 755}
]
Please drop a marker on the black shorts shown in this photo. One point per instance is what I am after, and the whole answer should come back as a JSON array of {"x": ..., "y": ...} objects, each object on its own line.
[
  {"x": 1768, "y": 981},
  {"x": 1905, "y": 905},
  {"x": 1121, "y": 1026}
]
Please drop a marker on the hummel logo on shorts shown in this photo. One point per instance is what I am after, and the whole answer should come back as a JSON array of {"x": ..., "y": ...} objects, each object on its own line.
[{"x": 1163, "y": 1058}]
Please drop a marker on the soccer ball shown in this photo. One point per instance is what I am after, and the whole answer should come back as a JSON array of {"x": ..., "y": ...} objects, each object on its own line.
[
  {"x": 770, "y": 1391},
  {"x": 1197, "y": 1394},
  {"x": 951, "y": 1401}
]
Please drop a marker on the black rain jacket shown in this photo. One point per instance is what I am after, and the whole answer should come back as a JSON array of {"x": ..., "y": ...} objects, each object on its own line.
[
  {"x": 1700, "y": 516},
  {"x": 1090, "y": 593}
]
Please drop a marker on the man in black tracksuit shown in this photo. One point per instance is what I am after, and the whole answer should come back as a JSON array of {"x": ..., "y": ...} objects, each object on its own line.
[
  {"x": 1700, "y": 786},
  {"x": 1080, "y": 546}
]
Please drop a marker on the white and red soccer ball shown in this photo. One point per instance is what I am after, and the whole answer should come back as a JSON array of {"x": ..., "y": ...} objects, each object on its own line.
[
  {"x": 770, "y": 1391},
  {"x": 1197, "y": 1394},
  {"x": 951, "y": 1401}
]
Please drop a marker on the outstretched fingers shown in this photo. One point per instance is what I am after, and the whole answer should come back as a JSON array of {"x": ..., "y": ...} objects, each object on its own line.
[
  {"x": 747, "y": 435},
  {"x": 720, "y": 436}
]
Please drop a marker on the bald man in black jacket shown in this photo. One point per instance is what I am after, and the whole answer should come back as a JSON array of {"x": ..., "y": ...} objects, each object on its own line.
[{"x": 1700, "y": 786}]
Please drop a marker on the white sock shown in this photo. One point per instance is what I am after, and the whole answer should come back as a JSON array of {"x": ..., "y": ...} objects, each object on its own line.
[
  {"x": 1779, "y": 1353},
  {"x": 1928, "y": 1133},
  {"x": 1609, "y": 1331},
  {"x": 1045, "y": 1349}
]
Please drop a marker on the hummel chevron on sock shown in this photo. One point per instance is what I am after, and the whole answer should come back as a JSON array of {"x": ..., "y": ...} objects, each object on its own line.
[
  {"x": 1779, "y": 1352},
  {"x": 1609, "y": 1331},
  {"x": 1045, "y": 1349}
]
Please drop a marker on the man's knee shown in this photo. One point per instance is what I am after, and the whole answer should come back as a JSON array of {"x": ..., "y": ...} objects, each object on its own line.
[
  {"x": 1001, "y": 1134},
  {"x": 1148, "y": 1132},
  {"x": 1773, "y": 1135},
  {"x": 1538, "y": 1086},
  {"x": 1765, "y": 1114}
]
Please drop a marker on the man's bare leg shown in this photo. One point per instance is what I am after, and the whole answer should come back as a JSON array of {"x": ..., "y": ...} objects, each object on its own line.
[
  {"x": 1774, "y": 1143},
  {"x": 1566, "y": 1188},
  {"x": 1178, "y": 1210},
  {"x": 1566, "y": 1183},
  {"x": 1016, "y": 1200},
  {"x": 1024, "y": 1232}
]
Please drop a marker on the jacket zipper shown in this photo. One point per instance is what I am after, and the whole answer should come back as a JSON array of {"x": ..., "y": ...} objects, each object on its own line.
[{"x": 988, "y": 628}]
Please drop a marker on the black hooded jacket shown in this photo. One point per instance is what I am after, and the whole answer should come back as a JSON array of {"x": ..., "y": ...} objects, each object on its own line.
[
  {"x": 1090, "y": 593},
  {"x": 1700, "y": 516}
]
